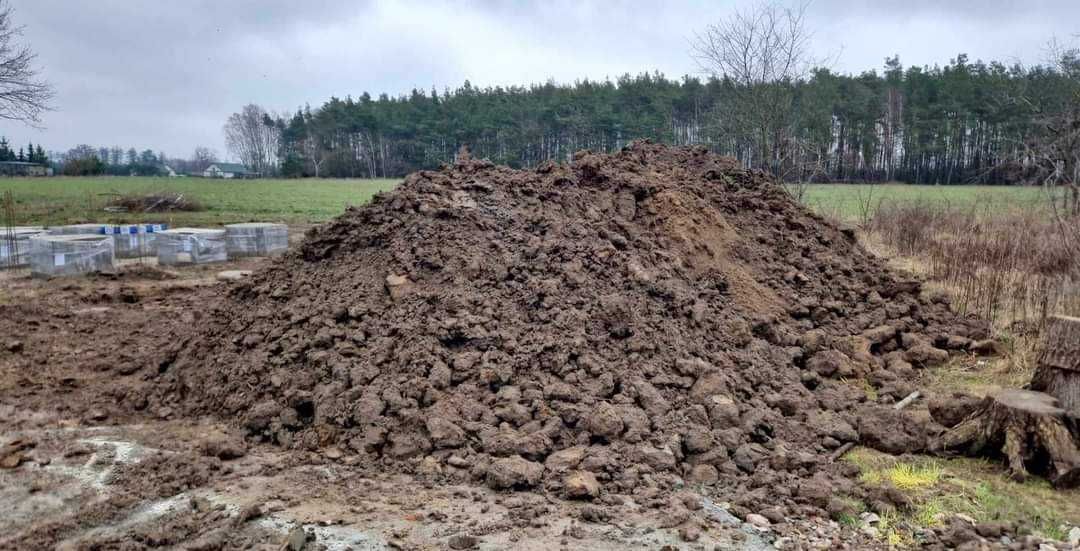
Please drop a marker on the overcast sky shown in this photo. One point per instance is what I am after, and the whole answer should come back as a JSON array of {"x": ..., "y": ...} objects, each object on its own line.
[{"x": 166, "y": 74}]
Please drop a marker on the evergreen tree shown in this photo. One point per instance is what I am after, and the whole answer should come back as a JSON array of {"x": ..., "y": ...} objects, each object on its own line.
[{"x": 959, "y": 123}]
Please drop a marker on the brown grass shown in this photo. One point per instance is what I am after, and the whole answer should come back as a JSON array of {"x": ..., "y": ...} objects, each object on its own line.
[{"x": 1012, "y": 267}]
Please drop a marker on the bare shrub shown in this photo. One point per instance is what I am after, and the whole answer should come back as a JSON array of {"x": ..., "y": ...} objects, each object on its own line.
[
  {"x": 907, "y": 227},
  {"x": 867, "y": 204},
  {"x": 1010, "y": 267}
]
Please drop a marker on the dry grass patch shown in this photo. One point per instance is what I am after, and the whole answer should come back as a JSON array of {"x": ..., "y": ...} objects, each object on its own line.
[
  {"x": 978, "y": 376},
  {"x": 1012, "y": 267}
]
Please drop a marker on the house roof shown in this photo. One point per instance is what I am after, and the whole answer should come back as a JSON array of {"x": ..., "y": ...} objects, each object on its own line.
[
  {"x": 19, "y": 163},
  {"x": 231, "y": 167}
]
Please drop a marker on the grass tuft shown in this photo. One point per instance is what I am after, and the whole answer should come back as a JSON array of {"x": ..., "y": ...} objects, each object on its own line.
[{"x": 909, "y": 476}]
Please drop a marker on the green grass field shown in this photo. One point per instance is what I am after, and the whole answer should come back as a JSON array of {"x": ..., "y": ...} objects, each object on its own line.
[
  {"x": 843, "y": 201},
  {"x": 65, "y": 200}
]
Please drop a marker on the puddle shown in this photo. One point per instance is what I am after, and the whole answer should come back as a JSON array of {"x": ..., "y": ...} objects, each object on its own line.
[{"x": 97, "y": 476}]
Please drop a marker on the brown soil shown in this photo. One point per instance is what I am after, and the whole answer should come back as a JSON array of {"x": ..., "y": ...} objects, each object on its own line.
[
  {"x": 614, "y": 354},
  {"x": 621, "y": 326}
]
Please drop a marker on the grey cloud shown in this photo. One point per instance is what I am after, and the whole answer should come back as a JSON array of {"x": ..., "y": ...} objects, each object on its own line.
[{"x": 166, "y": 74}]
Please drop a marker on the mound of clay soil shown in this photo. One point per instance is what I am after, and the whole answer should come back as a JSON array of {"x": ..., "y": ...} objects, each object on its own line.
[{"x": 624, "y": 324}]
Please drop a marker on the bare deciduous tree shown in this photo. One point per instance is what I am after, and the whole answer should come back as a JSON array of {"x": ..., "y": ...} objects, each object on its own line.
[
  {"x": 1055, "y": 152},
  {"x": 764, "y": 44},
  {"x": 314, "y": 148},
  {"x": 760, "y": 51},
  {"x": 1052, "y": 150},
  {"x": 253, "y": 136},
  {"x": 202, "y": 158},
  {"x": 23, "y": 96}
]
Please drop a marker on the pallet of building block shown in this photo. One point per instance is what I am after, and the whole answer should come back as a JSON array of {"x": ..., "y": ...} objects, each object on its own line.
[
  {"x": 15, "y": 245},
  {"x": 256, "y": 239},
  {"x": 134, "y": 240},
  {"x": 190, "y": 246},
  {"x": 68, "y": 255}
]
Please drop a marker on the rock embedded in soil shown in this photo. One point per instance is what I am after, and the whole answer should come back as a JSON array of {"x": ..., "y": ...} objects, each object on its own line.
[
  {"x": 758, "y": 521},
  {"x": 704, "y": 474},
  {"x": 581, "y": 484},
  {"x": 233, "y": 275},
  {"x": 689, "y": 532},
  {"x": 462, "y": 541},
  {"x": 223, "y": 446},
  {"x": 297, "y": 539},
  {"x": 628, "y": 316}
]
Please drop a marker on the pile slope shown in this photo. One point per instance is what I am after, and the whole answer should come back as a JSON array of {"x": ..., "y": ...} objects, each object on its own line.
[{"x": 622, "y": 324}]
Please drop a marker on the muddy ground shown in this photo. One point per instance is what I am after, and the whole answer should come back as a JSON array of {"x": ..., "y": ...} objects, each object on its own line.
[
  {"x": 653, "y": 349},
  {"x": 88, "y": 465}
]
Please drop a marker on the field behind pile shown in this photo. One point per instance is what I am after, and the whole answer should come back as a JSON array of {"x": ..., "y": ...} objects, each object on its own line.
[
  {"x": 848, "y": 201},
  {"x": 67, "y": 200}
]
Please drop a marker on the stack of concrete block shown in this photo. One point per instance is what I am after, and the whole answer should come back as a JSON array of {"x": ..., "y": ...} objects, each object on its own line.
[
  {"x": 256, "y": 239},
  {"x": 67, "y": 255},
  {"x": 135, "y": 240},
  {"x": 191, "y": 246}
]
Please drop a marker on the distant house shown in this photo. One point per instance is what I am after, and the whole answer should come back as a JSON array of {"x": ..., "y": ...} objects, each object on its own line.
[
  {"x": 228, "y": 170},
  {"x": 169, "y": 171},
  {"x": 22, "y": 168}
]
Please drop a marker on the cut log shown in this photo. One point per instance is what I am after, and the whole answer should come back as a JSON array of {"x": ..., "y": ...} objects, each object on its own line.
[
  {"x": 1028, "y": 428},
  {"x": 1057, "y": 372}
]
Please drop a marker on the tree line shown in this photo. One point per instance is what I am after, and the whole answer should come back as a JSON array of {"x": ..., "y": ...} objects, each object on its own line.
[
  {"x": 29, "y": 154},
  {"x": 965, "y": 122},
  {"x": 87, "y": 160}
]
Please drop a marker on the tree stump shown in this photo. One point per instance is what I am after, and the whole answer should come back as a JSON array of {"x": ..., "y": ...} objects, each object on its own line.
[
  {"x": 1058, "y": 370},
  {"x": 1028, "y": 428}
]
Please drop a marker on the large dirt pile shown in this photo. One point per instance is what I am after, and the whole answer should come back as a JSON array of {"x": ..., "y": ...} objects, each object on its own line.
[{"x": 617, "y": 325}]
